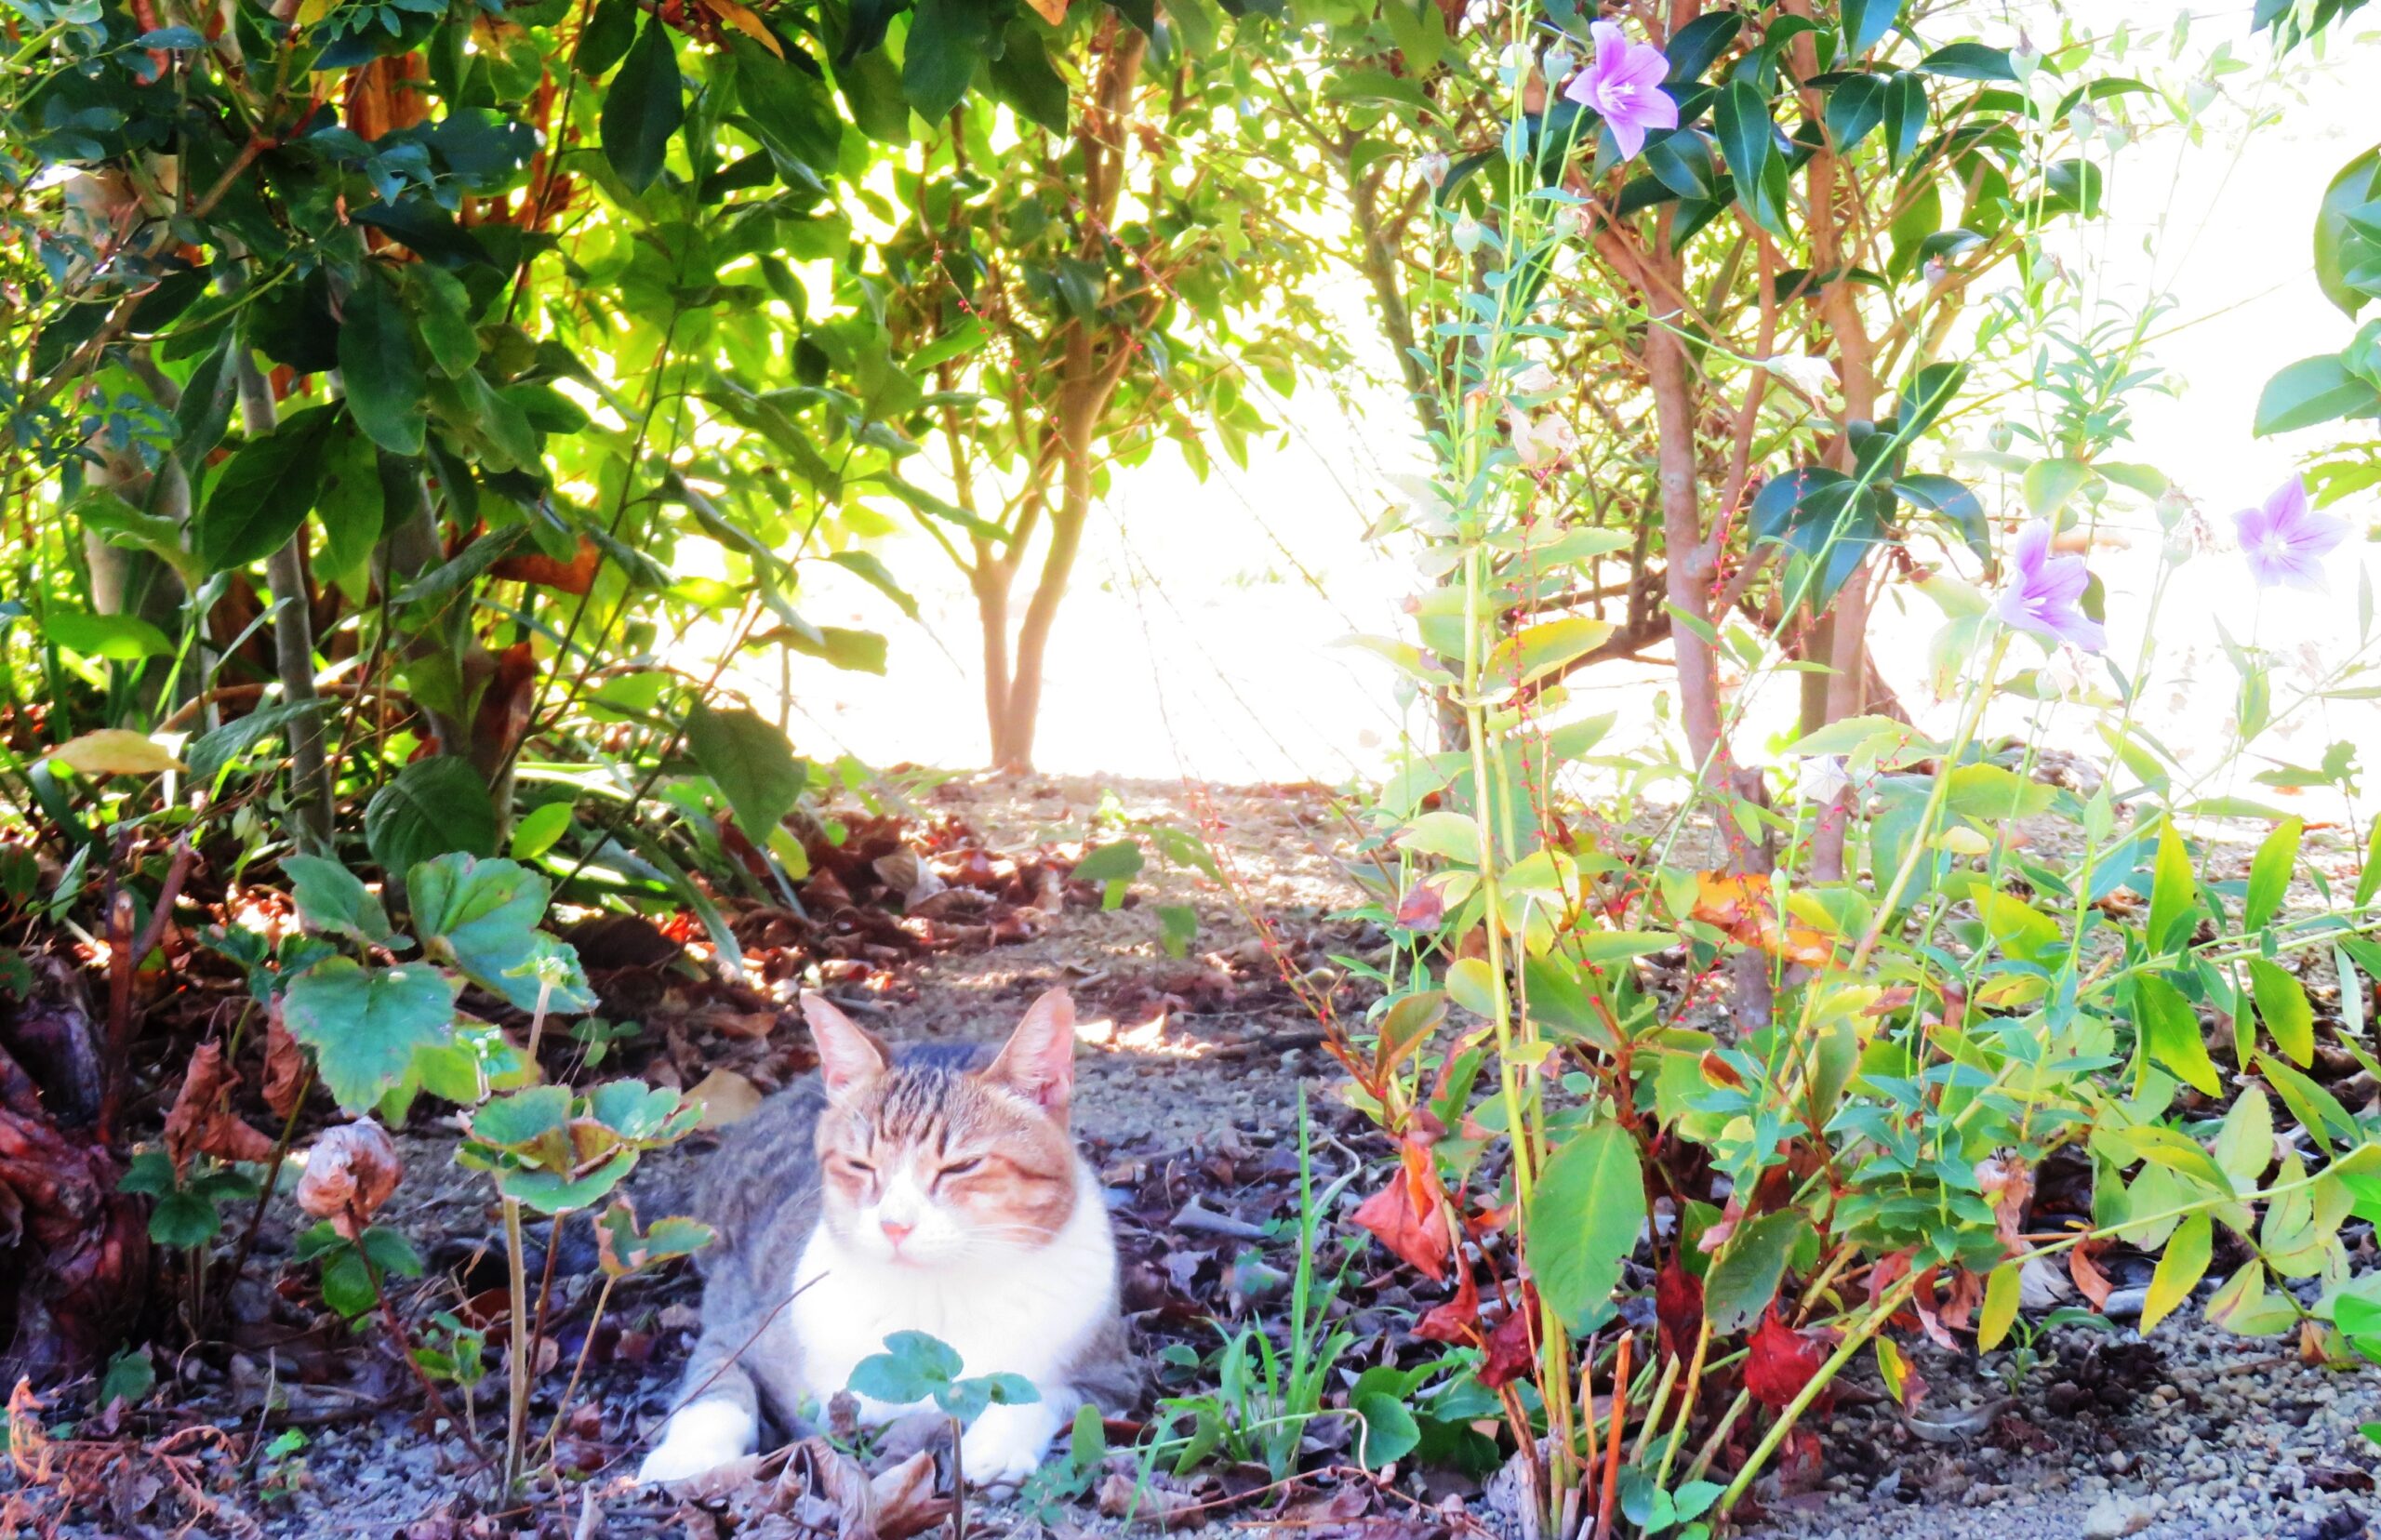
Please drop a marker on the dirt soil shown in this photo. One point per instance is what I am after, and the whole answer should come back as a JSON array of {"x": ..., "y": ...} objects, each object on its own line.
[{"x": 1189, "y": 1074}]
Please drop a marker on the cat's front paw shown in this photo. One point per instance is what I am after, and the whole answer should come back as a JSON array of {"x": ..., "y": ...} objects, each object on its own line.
[
  {"x": 1007, "y": 1444},
  {"x": 702, "y": 1437}
]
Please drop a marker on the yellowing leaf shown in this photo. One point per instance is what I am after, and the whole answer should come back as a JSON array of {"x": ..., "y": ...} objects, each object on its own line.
[
  {"x": 1052, "y": 11},
  {"x": 2001, "y": 1292},
  {"x": 2179, "y": 1270},
  {"x": 1473, "y": 987},
  {"x": 115, "y": 751},
  {"x": 1536, "y": 651},
  {"x": 743, "y": 20},
  {"x": 1894, "y": 1369},
  {"x": 2282, "y": 1001}
]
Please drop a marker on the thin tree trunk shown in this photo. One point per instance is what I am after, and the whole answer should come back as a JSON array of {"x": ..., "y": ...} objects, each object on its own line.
[
  {"x": 293, "y": 636},
  {"x": 991, "y": 581},
  {"x": 1081, "y": 402}
]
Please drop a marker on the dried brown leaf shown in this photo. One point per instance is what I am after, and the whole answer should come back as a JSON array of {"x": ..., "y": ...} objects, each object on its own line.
[
  {"x": 201, "y": 1122},
  {"x": 348, "y": 1174}
]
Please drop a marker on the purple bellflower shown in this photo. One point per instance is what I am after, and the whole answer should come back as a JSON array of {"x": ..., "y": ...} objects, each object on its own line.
[
  {"x": 2043, "y": 590},
  {"x": 2286, "y": 540},
  {"x": 1624, "y": 86}
]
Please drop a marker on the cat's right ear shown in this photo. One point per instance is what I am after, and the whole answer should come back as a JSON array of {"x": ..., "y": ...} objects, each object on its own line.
[{"x": 848, "y": 1053}]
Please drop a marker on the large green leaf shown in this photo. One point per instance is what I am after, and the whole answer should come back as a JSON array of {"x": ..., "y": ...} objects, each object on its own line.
[
  {"x": 2270, "y": 874},
  {"x": 645, "y": 106},
  {"x": 2170, "y": 1033},
  {"x": 482, "y": 916},
  {"x": 380, "y": 365},
  {"x": 2313, "y": 391},
  {"x": 2282, "y": 1005},
  {"x": 1582, "y": 1222},
  {"x": 2337, "y": 238},
  {"x": 1865, "y": 23},
  {"x": 750, "y": 761},
  {"x": 330, "y": 897},
  {"x": 1744, "y": 1279},
  {"x": 433, "y": 805},
  {"x": 946, "y": 38},
  {"x": 265, "y": 491},
  {"x": 365, "y": 1024}
]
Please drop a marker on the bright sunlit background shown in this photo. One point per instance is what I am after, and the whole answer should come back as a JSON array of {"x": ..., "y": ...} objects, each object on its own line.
[{"x": 1198, "y": 637}]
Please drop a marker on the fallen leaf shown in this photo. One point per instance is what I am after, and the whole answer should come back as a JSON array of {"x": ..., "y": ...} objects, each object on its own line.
[
  {"x": 725, "y": 1098},
  {"x": 2088, "y": 1276},
  {"x": 115, "y": 751},
  {"x": 350, "y": 1173}
]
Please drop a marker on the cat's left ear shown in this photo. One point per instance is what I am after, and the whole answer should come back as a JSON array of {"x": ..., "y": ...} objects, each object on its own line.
[{"x": 1038, "y": 1061}]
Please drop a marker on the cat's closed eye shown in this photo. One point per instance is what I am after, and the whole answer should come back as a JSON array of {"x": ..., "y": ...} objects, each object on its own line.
[{"x": 961, "y": 1168}]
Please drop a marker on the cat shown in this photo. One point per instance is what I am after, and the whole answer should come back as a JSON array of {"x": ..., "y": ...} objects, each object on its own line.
[{"x": 934, "y": 1190}]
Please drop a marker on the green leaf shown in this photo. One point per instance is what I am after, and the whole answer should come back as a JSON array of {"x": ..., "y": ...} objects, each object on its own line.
[
  {"x": 264, "y": 492},
  {"x": 2174, "y": 893},
  {"x": 2170, "y": 1033},
  {"x": 352, "y": 504},
  {"x": 2336, "y": 237},
  {"x": 538, "y": 829},
  {"x": 330, "y": 897},
  {"x": 913, "y": 1367},
  {"x": 117, "y": 638},
  {"x": 1969, "y": 62},
  {"x": 205, "y": 409},
  {"x": 185, "y": 1219},
  {"x": 482, "y": 916},
  {"x": 1854, "y": 108},
  {"x": 2270, "y": 874},
  {"x": 2179, "y": 1270},
  {"x": 1450, "y": 835},
  {"x": 1865, "y": 22},
  {"x": 871, "y": 570},
  {"x": 2244, "y": 1143},
  {"x": 750, "y": 762},
  {"x": 129, "y": 1378},
  {"x": 1744, "y": 1279},
  {"x": 213, "y": 751},
  {"x": 643, "y": 107},
  {"x": 2282, "y": 1005},
  {"x": 938, "y": 58},
  {"x": 1582, "y": 1222},
  {"x": 2003, "y": 1291},
  {"x": 1388, "y": 1432},
  {"x": 380, "y": 366},
  {"x": 2312, "y": 391},
  {"x": 365, "y": 1024},
  {"x": 1747, "y": 139},
  {"x": 1536, "y": 651},
  {"x": 2051, "y": 483},
  {"x": 1117, "y": 861},
  {"x": 433, "y": 805}
]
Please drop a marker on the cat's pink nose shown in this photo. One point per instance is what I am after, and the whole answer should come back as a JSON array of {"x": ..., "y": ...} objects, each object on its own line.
[{"x": 896, "y": 1231}]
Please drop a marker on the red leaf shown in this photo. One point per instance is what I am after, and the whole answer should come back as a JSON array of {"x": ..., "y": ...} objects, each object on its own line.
[
  {"x": 1406, "y": 1215},
  {"x": 1512, "y": 1346},
  {"x": 576, "y": 575},
  {"x": 1422, "y": 908},
  {"x": 1782, "y": 1360},
  {"x": 2088, "y": 1276},
  {"x": 1456, "y": 1320},
  {"x": 1678, "y": 1307}
]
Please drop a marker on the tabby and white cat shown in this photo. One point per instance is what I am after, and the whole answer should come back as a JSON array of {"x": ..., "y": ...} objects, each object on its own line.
[{"x": 935, "y": 1190}]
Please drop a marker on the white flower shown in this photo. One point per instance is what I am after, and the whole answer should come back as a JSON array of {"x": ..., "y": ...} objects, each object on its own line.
[
  {"x": 1813, "y": 376},
  {"x": 1433, "y": 167},
  {"x": 1559, "y": 63},
  {"x": 1540, "y": 441},
  {"x": 1467, "y": 234},
  {"x": 1821, "y": 779}
]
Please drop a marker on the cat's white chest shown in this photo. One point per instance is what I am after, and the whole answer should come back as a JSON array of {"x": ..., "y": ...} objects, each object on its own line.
[{"x": 1024, "y": 1312}]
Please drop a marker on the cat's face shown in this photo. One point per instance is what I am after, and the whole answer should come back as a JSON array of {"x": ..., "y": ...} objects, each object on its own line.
[{"x": 931, "y": 1167}]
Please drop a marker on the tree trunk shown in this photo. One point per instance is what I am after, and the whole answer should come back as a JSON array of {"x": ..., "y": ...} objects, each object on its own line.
[
  {"x": 293, "y": 637},
  {"x": 1081, "y": 401}
]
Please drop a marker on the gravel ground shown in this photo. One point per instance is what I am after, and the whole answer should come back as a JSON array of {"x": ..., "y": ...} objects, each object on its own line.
[{"x": 2199, "y": 1434}]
